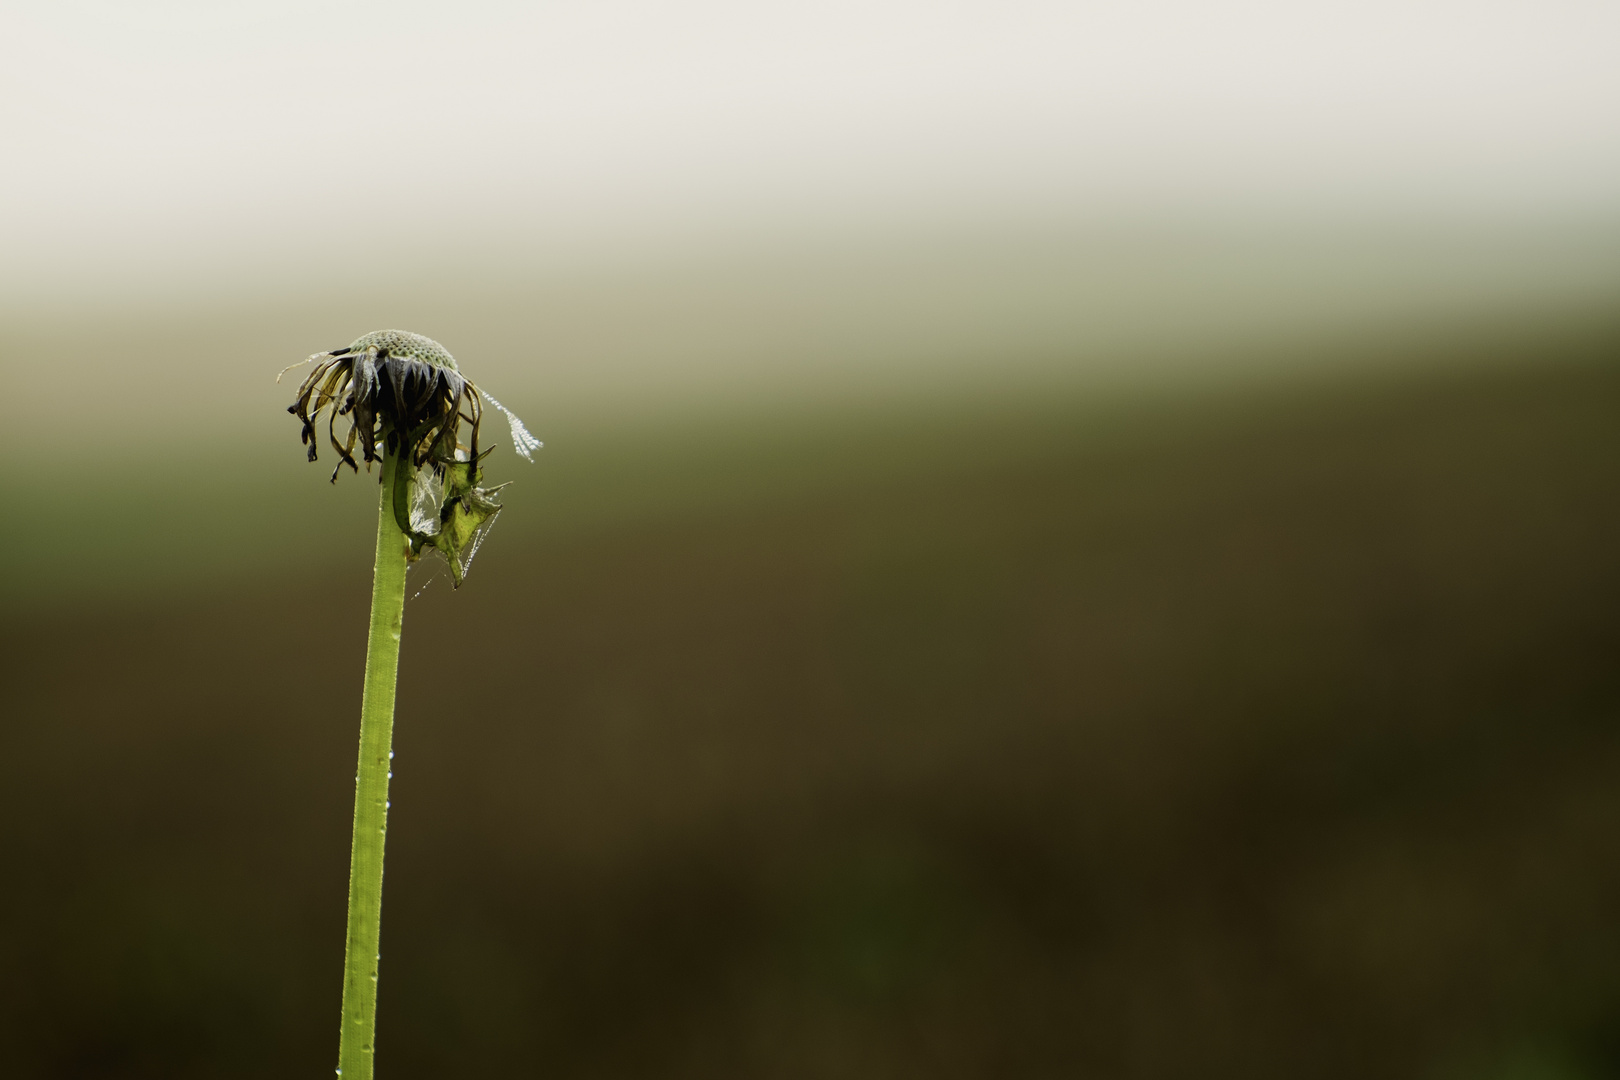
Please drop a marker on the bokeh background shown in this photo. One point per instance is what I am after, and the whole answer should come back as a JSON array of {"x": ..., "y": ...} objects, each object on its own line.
[{"x": 1073, "y": 540}]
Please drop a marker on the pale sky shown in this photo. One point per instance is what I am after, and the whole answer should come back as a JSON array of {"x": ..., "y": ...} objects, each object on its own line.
[{"x": 154, "y": 139}]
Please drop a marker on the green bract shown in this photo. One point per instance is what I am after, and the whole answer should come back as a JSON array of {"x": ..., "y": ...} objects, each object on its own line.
[{"x": 447, "y": 511}]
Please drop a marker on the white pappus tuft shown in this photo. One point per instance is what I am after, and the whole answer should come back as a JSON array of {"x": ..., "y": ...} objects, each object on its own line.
[{"x": 525, "y": 443}]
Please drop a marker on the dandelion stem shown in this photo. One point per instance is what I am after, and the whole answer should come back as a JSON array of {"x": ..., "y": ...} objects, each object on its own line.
[{"x": 357, "y": 1044}]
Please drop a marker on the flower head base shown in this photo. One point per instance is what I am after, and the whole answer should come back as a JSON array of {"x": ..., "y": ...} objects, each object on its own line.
[{"x": 404, "y": 394}]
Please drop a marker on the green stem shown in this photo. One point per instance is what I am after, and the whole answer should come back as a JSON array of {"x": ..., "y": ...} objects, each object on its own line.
[{"x": 357, "y": 1045}]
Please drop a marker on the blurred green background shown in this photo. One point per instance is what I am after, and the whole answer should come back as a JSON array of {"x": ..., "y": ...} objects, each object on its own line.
[{"x": 966, "y": 621}]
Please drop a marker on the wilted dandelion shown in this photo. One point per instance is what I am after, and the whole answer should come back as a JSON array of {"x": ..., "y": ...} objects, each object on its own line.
[
  {"x": 402, "y": 393},
  {"x": 407, "y": 405}
]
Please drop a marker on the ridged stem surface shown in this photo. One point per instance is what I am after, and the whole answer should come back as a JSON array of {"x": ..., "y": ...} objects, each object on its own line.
[{"x": 357, "y": 1044}]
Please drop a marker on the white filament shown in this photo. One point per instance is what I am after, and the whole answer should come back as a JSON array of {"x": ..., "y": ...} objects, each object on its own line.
[{"x": 525, "y": 443}]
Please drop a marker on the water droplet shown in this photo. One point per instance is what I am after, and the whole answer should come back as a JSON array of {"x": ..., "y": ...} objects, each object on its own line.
[
  {"x": 386, "y": 805},
  {"x": 390, "y": 774},
  {"x": 390, "y": 755}
]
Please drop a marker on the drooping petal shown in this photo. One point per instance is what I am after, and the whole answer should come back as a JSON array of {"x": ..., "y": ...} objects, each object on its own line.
[{"x": 364, "y": 395}]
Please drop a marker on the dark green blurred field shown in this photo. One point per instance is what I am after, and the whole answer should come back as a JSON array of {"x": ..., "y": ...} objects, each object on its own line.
[{"x": 1266, "y": 735}]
